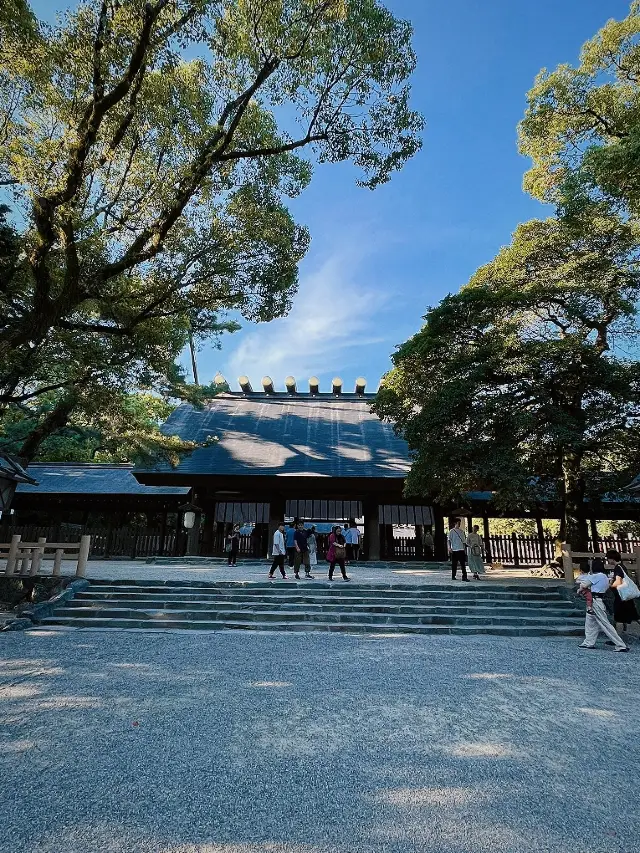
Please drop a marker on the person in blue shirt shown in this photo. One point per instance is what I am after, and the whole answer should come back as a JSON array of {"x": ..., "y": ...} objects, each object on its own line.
[{"x": 290, "y": 534}]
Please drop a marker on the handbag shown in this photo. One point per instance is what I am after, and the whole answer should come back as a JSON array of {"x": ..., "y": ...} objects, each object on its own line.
[
  {"x": 628, "y": 590},
  {"x": 339, "y": 551}
]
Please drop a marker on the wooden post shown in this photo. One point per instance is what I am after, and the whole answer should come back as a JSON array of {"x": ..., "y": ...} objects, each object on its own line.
[
  {"x": 134, "y": 546},
  {"x": 514, "y": 545},
  {"x": 24, "y": 566},
  {"x": 37, "y": 556},
  {"x": 57, "y": 562},
  {"x": 419, "y": 541},
  {"x": 567, "y": 562},
  {"x": 13, "y": 554},
  {"x": 371, "y": 513},
  {"x": 541, "y": 540},
  {"x": 163, "y": 534},
  {"x": 486, "y": 537},
  {"x": 594, "y": 534},
  {"x": 83, "y": 556}
]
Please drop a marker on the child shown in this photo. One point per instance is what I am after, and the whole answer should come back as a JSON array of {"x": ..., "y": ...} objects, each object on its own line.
[{"x": 584, "y": 589}]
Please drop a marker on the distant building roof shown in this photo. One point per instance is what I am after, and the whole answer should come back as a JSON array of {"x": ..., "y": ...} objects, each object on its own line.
[
  {"x": 90, "y": 479},
  {"x": 312, "y": 435}
]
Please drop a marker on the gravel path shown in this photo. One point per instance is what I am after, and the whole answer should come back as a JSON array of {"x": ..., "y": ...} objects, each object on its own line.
[
  {"x": 256, "y": 570},
  {"x": 286, "y": 743}
]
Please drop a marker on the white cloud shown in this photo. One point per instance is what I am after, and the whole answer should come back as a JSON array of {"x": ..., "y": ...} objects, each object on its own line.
[{"x": 333, "y": 313}]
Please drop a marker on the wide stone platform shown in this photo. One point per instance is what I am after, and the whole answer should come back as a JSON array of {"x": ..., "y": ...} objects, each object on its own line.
[{"x": 381, "y": 607}]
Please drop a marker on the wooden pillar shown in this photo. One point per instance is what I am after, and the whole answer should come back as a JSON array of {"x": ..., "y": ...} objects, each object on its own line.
[
  {"x": 371, "y": 511},
  {"x": 193, "y": 537},
  {"x": 470, "y": 524},
  {"x": 567, "y": 562},
  {"x": 38, "y": 554},
  {"x": 83, "y": 556},
  {"x": 389, "y": 544},
  {"x": 594, "y": 532},
  {"x": 419, "y": 541},
  {"x": 177, "y": 545},
  {"x": 486, "y": 535},
  {"x": 514, "y": 546},
  {"x": 12, "y": 558},
  {"x": 541, "y": 540},
  {"x": 163, "y": 533},
  {"x": 439, "y": 536},
  {"x": 208, "y": 529}
]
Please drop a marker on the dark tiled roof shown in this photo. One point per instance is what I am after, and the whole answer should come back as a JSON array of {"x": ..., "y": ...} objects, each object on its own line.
[
  {"x": 288, "y": 435},
  {"x": 90, "y": 479}
]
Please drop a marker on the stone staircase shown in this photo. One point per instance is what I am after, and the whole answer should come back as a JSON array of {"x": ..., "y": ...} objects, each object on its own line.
[{"x": 483, "y": 608}]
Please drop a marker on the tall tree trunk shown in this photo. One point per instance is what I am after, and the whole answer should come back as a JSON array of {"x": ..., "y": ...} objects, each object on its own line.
[
  {"x": 575, "y": 520},
  {"x": 55, "y": 420}
]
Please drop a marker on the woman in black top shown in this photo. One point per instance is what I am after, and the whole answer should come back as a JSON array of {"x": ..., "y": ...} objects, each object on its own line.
[
  {"x": 623, "y": 611},
  {"x": 233, "y": 545}
]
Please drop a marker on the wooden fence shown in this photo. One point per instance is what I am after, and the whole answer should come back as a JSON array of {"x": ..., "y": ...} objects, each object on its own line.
[
  {"x": 135, "y": 542},
  {"x": 106, "y": 542},
  {"x": 531, "y": 551}
]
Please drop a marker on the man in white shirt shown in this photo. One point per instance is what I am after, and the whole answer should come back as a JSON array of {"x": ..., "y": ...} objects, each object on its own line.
[
  {"x": 279, "y": 552},
  {"x": 598, "y": 620},
  {"x": 457, "y": 542}
]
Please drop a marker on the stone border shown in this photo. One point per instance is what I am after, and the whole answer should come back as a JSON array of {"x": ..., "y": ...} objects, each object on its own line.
[{"x": 35, "y": 614}]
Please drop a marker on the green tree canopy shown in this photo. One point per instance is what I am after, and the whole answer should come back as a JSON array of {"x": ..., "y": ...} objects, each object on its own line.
[
  {"x": 582, "y": 125},
  {"x": 520, "y": 383},
  {"x": 149, "y": 149}
]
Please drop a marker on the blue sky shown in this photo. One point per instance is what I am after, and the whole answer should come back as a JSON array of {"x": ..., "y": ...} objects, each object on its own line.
[{"x": 379, "y": 259}]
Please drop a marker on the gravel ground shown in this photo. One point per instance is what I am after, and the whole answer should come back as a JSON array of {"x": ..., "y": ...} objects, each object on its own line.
[
  {"x": 256, "y": 570},
  {"x": 309, "y": 743}
]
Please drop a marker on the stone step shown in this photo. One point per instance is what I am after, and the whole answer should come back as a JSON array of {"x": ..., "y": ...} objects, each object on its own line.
[
  {"x": 320, "y": 596},
  {"x": 520, "y": 630},
  {"x": 286, "y": 615},
  {"x": 315, "y": 589},
  {"x": 558, "y": 609}
]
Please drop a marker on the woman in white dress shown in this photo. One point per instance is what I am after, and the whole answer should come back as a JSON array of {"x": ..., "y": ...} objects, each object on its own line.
[
  {"x": 475, "y": 547},
  {"x": 312, "y": 542}
]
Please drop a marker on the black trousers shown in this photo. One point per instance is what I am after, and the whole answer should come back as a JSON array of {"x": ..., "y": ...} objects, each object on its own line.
[
  {"x": 291, "y": 556},
  {"x": 233, "y": 556},
  {"x": 355, "y": 550},
  {"x": 458, "y": 557},
  {"x": 278, "y": 563},
  {"x": 332, "y": 567}
]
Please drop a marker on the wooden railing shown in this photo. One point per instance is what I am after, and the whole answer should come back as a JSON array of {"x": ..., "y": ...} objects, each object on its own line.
[
  {"x": 569, "y": 558},
  {"x": 26, "y": 558}
]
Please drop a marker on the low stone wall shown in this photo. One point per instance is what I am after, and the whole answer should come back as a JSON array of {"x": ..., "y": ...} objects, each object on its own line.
[{"x": 32, "y": 614}]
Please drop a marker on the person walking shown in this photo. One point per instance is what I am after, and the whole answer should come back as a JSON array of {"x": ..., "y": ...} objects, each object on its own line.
[
  {"x": 428, "y": 543},
  {"x": 233, "y": 545},
  {"x": 457, "y": 542},
  {"x": 354, "y": 541},
  {"x": 279, "y": 552},
  {"x": 337, "y": 553},
  {"x": 597, "y": 620},
  {"x": 476, "y": 553},
  {"x": 290, "y": 535},
  {"x": 312, "y": 544},
  {"x": 302, "y": 553},
  {"x": 624, "y": 612}
]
